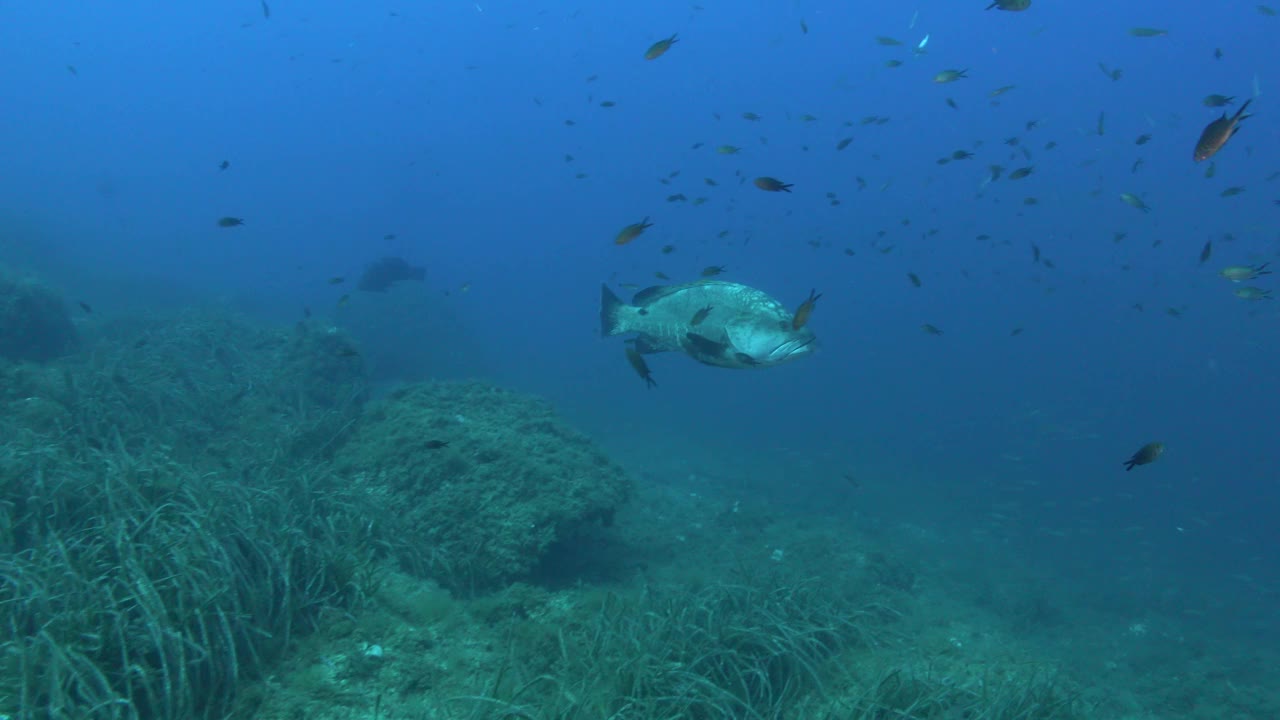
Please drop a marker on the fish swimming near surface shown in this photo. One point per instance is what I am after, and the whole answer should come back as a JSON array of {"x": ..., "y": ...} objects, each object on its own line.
[
  {"x": 1010, "y": 5},
  {"x": 749, "y": 329},
  {"x": 381, "y": 275}
]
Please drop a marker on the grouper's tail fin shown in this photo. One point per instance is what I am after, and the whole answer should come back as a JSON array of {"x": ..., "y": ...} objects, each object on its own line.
[{"x": 610, "y": 304}]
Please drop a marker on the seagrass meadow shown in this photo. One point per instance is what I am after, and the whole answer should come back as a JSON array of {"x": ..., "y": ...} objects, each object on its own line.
[{"x": 205, "y": 516}]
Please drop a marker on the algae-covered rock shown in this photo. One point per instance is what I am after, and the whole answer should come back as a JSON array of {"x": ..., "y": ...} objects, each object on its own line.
[
  {"x": 482, "y": 482},
  {"x": 34, "y": 323}
]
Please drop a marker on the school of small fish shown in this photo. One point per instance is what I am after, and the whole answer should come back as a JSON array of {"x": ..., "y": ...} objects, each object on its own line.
[{"x": 1007, "y": 168}]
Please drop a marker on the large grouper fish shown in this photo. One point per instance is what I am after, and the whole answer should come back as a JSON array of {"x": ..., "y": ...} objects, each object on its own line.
[{"x": 712, "y": 321}]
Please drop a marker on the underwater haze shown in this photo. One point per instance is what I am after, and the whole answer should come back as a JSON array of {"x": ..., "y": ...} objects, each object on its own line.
[{"x": 993, "y": 345}]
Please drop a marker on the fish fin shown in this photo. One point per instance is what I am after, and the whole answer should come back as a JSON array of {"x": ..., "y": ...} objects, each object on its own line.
[
  {"x": 705, "y": 345},
  {"x": 645, "y": 346},
  {"x": 610, "y": 304}
]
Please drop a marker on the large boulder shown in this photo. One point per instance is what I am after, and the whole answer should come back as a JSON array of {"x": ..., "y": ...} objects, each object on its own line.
[{"x": 479, "y": 482}]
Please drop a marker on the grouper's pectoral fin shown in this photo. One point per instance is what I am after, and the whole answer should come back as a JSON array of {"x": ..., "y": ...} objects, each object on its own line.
[
  {"x": 703, "y": 345},
  {"x": 646, "y": 346}
]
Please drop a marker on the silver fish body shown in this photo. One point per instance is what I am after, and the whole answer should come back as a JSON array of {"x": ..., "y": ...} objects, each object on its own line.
[{"x": 745, "y": 328}]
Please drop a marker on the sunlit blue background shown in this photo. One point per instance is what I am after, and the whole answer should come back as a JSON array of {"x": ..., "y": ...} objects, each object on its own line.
[{"x": 444, "y": 124}]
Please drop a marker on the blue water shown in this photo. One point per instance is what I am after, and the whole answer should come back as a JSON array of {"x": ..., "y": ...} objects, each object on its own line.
[{"x": 444, "y": 124}]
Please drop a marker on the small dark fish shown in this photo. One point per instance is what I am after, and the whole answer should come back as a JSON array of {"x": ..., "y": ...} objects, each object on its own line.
[
  {"x": 140, "y": 343},
  {"x": 804, "y": 27},
  {"x": 804, "y": 311},
  {"x": 228, "y": 222},
  {"x": 342, "y": 301},
  {"x": 435, "y": 444},
  {"x": 266, "y": 9},
  {"x": 930, "y": 329},
  {"x": 72, "y": 69},
  {"x": 640, "y": 366},
  {"x": 657, "y": 49},
  {"x": 1035, "y": 253},
  {"x": 85, "y": 307},
  {"x": 1146, "y": 454},
  {"x": 306, "y": 312},
  {"x": 224, "y": 164},
  {"x": 915, "y": 279},
  {"x": 337, "y": 280},
  {"x": 950, "y": 76},
  {"x": 631, "y": 232},
  {"x": 713, "y": 270},
  {"x": 701, "y": 315},
  {"x": 668, "y": 249},
  {"x": 1021, "y": 172},
  {"x": 844, "y": 143},
  {"x": 1142, "y": 139},
  {"x": 1146, "y": 32},
  {"x": 769, "y": 184},
  {"x": 1216, "y": 100},
  {"x": 1217, "y": 133},
  {"x": 1015, "y": 332},
  {"x": 1206, "y": 251}
]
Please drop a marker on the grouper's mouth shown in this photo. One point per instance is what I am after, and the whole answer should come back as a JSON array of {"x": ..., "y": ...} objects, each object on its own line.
[{"x": 788, "y": 350}]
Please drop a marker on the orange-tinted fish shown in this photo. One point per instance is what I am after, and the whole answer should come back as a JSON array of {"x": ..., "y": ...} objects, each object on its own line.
[
  {"x": 641, "y": 367},
  {"x": 1146, "y": 454},
  {"x": 1218, "y": 132},
  {"x": 657, "y": 49},
  {"x": 804, "y": 311},
  {"x": 631, "y": 232},
  {"x": 772, "y": 184}
]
